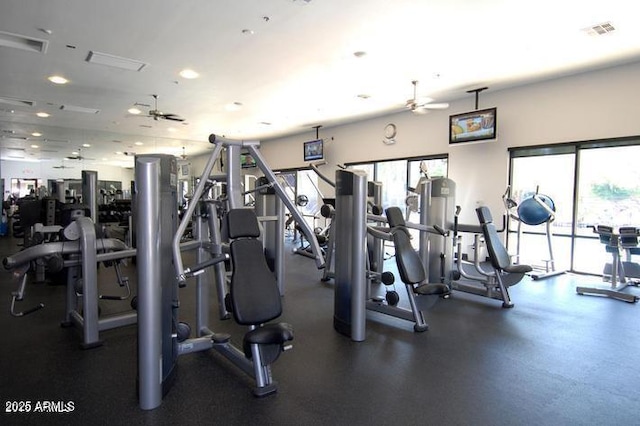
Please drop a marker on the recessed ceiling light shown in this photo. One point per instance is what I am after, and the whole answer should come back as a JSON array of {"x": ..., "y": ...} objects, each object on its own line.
[
  {"x": 119, "y": 153},
  {"x": 35, "y": 146},
  {"x": 86, "y": 145},
  {"x": 172, "y": 129},
  {"x": 134, "y": 111},
  {"x": 189, "y": 74},
  {"x": 36, "y": 134},
  {"x": 138, "y": 143},
  {"x": 75, "y": 153},
  {"x": 58, "y": 79},
  {"x": 42, "y": 114}
]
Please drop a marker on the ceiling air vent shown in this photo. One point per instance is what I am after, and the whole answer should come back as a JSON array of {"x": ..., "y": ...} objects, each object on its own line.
[
  {"x": 74, "y": 108},
  {"x": 16, "y": 101},
  {"x": 21, "y": 42},
  {"x": 115, "y": 61},
  {"x": 600, "y": 29}
]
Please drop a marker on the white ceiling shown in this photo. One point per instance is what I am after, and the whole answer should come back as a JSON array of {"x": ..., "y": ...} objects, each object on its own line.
[{"x": 294, "y": 67}]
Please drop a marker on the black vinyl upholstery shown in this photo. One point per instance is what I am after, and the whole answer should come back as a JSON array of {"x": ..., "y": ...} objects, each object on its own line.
[
  {"x": 409, "y": 266},
  {"x": 254, "y": 293},
  {"x": 408, "y": 261},
  {"x": 498, "y": 254}
]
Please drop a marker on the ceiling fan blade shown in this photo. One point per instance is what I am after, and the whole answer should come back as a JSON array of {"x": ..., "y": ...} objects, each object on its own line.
[
  {"x": 441, "y": 105},
  {"x": 420, "y": 110},
  {"x": 172, "y": 117}
]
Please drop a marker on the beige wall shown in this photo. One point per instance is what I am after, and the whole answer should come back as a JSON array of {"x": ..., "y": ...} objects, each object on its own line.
[{"x": 595, "y": 105}]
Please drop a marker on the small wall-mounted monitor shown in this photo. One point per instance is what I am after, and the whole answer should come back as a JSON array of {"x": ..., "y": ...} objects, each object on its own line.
[
  {"x": 473, "y": 126},
  {"x": 247, "y": 161},
  {"x": 313, "y": 150}
]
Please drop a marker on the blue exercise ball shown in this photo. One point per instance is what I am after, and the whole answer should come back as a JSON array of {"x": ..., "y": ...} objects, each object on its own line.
[{"x": 531, "y": 212}]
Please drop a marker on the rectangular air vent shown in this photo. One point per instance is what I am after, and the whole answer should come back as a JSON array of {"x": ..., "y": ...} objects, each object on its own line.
[
  {"x": 74, "y": 108},
  {"x": 21, "y": 42},
  {"x": 600, "y": 29},
  {"x": 16, "y": 101},
  {"x": 115, "y": 61}
]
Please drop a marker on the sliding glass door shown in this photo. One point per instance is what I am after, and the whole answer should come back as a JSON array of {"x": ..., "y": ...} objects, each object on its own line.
[
  {"x": 550, "y": 176},
  {"x": 608, "y": 194},
  {"x": 591, "y": 183}
]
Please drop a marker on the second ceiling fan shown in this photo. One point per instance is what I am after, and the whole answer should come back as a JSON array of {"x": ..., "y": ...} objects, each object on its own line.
[{"x": 156, "y": 114}]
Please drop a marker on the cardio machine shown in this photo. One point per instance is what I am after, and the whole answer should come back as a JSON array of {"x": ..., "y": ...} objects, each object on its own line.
[{"x": 622, "y": 271}]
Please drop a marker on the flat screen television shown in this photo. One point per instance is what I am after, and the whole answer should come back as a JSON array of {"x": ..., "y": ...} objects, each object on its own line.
[
  {"x": 313, "y": 150},
  {"x": 473, "y": 126},
  {"x": 247, "y": 161}
]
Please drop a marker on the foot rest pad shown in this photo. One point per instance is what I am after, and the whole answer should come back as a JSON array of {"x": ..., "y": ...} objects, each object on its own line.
[
  {"x": 220, "y": 337},
  {"x": 432, "y": 289}
]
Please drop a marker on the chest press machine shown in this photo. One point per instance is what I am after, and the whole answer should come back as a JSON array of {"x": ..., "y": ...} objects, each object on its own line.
[{"x": 254, "y": 294}]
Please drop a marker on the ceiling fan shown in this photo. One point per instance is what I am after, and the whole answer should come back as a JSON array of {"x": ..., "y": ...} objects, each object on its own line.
[
  {"x": 422, "y": 105},
  {"x": 156, "y": 114},
  {"x": 62, "y": 166},
  {"x": 79, "y": 156}
]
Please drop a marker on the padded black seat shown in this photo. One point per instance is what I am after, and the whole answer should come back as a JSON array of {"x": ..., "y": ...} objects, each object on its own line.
[
  {"x": 409, "y": 263},
  {"x": 268, "y": 334},
  {"x": 254, "y": 294}
]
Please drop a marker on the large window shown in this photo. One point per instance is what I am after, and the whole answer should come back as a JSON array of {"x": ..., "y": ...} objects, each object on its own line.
[
  {"x": 548, "y": 176},
  {"x": 591, "y": 183},
  {"x": 399, "y": 176}
]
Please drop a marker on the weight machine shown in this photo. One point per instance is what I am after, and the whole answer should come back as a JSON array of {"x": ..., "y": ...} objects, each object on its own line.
[
  {"x": 80, "y": 253},
  {"x": 162, "y": 337},
  {"x": 444, "y": 259}
]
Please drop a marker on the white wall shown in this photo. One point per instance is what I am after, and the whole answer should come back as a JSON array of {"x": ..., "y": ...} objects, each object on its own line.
[{"x": 594, "y": 105}]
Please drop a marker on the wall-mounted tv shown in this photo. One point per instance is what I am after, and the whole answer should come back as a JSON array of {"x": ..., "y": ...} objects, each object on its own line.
[
  {"x": 247, "y": 161},
  {"x": 473, "y": 126},
  {"x": 313, "y": 150}
]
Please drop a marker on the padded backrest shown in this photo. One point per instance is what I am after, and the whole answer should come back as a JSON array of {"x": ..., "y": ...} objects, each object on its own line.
[
  {"x": 394, "y": 217},
  {"x": 498, "y": 254},
  {"x": 242, "y": 223},
  {"x": 255, "y": 297},
  {"x": 409, "y": 265}
]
